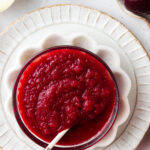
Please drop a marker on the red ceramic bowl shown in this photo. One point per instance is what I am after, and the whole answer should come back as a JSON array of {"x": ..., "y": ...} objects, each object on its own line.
[{"x": 80, "y": 146}]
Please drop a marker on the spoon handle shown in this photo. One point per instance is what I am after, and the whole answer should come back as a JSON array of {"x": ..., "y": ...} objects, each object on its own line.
[{"x": 56, "y": 139}]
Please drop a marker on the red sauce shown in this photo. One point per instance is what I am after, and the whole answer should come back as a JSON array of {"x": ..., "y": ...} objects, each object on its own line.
[{"x": 66, "y": 89}]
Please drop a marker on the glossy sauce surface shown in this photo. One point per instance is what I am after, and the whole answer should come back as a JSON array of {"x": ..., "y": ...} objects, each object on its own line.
[{"x": 66, "y": 88}]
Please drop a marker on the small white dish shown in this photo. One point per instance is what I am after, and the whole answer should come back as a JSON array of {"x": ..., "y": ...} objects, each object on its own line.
[{"x": 106, "y": 53}]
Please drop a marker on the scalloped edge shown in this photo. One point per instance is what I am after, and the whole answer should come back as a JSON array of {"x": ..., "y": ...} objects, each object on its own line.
[{"x": 82, "y": 40}]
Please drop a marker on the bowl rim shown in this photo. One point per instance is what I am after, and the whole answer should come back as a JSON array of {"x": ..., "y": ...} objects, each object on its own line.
[{"x": 36, "y": 139}]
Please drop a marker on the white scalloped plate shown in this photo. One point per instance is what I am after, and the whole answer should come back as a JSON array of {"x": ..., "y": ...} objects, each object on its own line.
[
  {"x": 109, "y": 55},
  {"x": 69, "y": 19}
]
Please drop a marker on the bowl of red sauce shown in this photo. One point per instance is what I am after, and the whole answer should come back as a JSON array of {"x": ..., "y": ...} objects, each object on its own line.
[{"x": 66, "y": 87}]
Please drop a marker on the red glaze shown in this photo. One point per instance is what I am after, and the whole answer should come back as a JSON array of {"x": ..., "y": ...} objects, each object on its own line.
[{"x": 66, "y": 88}]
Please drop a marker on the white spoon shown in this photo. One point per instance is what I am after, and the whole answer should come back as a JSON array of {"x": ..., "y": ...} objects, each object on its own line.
[{"x": 56, "y": 139}]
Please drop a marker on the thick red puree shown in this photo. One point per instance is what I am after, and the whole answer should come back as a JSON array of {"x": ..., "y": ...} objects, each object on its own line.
[{"x": 62, "y": 89}]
